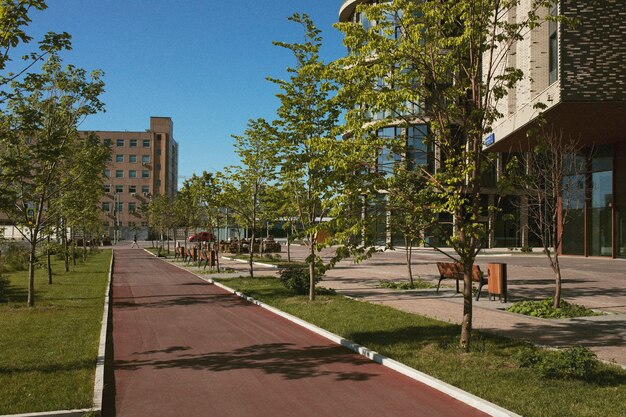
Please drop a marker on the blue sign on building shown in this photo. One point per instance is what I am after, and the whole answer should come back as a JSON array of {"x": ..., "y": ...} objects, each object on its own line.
[{"x": 489, "y": 140}]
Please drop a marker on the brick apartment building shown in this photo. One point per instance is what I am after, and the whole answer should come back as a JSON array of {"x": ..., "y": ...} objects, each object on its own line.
[{"x": 143, "y": 164}]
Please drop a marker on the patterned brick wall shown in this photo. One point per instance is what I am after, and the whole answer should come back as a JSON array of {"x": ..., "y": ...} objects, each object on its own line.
[{"x": 593, "y": 53}]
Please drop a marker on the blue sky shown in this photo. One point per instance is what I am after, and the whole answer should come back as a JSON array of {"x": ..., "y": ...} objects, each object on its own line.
[{"x": 201, "y": 62}]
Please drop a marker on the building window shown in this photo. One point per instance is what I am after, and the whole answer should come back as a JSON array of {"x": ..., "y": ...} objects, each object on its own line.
[
  {"x": 132, "y": 158},
  {"x": 553, "y": 53},
  {"x": 145, "y": 189},
  {"x": 145, "y": 173},
  {"x": 107, "y": 173},
  {"x": 132, "y": 207},
  {"x": 146, "y": 143},
  {"x": 119, "y": 207},
  {"x": 133, "y": 143},
  {"x": 119, "y": 188},
  {"x": 106, "y": 224},
  {"x": 132, "y": 189},
  {"x": 144, "y": 224},
  {"x": 119, "y": 143},
  {"x": 418, "y": 152},
  {"x": 107, "y": 188},
  {"x": 158, "y": 151},
  {"x": 132, "y": 224},
  {"x": 119, "y": 158},
  {"x": 119, "y": 173},
  {"x": 132, "y": 174},
  {"x": 157, "y": 167},
  {"x": 106, "y": 207},
  {"x": 145, "y": 159}
]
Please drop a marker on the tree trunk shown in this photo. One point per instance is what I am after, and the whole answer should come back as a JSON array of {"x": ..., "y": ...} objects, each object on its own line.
[
  {"x": 31, "y": 271},
  {"x": 251, "y": 252},
  {"x": 49, "y": 262},
  {"x": 408, "y": 248},
  {"x": 73, "y": 238},
  {"x": 288, "y": 247},
  {"x": 84, "y": 246},
  {"x": 66, "y": 252},
  {"x": 466, "y": 325},
  {"x": 312, "y": 267}
]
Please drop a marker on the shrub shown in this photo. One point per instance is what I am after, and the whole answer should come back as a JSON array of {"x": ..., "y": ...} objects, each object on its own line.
[
  {"x": 545, "y": 309},
  {"x": 575, "y": 362},
  {"x": 4, "y": 283},
  {"x": 419, "y": 283},
  {"x": 526, "y": 249},
  {"x": 16, "y": 257},
  {"x": 297, "y": 279}
]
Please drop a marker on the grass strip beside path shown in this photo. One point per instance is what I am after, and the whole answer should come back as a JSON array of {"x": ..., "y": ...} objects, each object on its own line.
[
  {"x": 489, "y": 371},
  {"x": 48, "y": 353}
]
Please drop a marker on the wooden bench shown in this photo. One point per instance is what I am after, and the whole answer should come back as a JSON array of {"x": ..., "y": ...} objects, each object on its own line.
[
  {"x": 453, "y": 270},
  {"x": 179, "y": 252}
]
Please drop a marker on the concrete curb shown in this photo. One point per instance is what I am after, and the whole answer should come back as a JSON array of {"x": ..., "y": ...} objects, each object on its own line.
[
  {"x": 245, "y": 262},
  {"x": 98, "y": 389}
]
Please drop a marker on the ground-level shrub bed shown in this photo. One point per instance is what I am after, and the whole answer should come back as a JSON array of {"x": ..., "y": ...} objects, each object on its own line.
[
  {"x": 490, "y": 371},
  {"x": 48, "y": 353},
  {"x": 545, "y": 309}
]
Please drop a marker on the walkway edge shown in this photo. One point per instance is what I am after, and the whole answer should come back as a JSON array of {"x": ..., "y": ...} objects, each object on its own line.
[{"x": 454, "y": 392}]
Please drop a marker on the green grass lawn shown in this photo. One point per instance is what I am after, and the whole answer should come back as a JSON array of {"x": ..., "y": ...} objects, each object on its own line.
[
  {"x": 489, "y": 371},
  {"x": 48, "y": 353}
]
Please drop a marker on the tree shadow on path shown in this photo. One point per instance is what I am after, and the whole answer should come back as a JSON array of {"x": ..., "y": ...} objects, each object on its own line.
[{"x": 284, "y": 359}]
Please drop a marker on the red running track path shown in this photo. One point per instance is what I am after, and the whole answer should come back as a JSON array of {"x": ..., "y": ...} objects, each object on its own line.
[{"x": 184, "y": 348}]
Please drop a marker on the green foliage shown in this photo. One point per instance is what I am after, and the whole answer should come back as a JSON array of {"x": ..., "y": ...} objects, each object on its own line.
[
  {"x": 15, "y": 257},
  {"x": 575, "y": 362},
  {"x": 297, "y": 279},
  {"x": 526, "y": 249},
  {"x": 545, "y": 309},
  {"x": 4, "y": 284},
  {"x": 418, "y": 283}
]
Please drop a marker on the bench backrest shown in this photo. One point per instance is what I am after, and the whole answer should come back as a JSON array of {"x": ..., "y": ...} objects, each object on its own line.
[{"x": 453, "y": 269}]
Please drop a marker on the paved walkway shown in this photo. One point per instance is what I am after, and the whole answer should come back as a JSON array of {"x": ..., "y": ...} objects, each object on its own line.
[
  {"x": 597, "y": 283},
  {"x": 185, "y": 348}
]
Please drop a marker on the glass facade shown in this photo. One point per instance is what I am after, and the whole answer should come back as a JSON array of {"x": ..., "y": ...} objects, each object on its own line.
[{"x": 593, "y": 225}]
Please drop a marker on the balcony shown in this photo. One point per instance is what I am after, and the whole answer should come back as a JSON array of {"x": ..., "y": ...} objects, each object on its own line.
[{"x": 347, "y": 8}]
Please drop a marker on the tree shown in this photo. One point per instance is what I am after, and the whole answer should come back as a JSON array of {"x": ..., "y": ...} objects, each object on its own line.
[
  {"x": 441, "y": 63},
  {"x": 311, "y": 164},
  {"x": 410, "y": 202},
  {"x": 38, "y": 135},
  {"x": 244, "y": 187},
  {"x": 159, "y": 212},
  {"x": 554, "y": 184},
  {"x": 77, "y": 205},
  {"x": 14, "y": 16}
]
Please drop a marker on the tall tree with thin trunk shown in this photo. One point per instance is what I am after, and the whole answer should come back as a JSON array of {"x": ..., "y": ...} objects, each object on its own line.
[
  {"x": 441, "y": 63},
  {"x": 244, "y": 188},
  {"x": 554, "y": 183},
  {"x": 308, "y": 120},
  {"x": 38, "y": 135}
]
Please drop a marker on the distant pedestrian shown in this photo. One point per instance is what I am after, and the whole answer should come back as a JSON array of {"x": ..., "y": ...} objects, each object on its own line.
[{"x": 134, "y": 244}]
